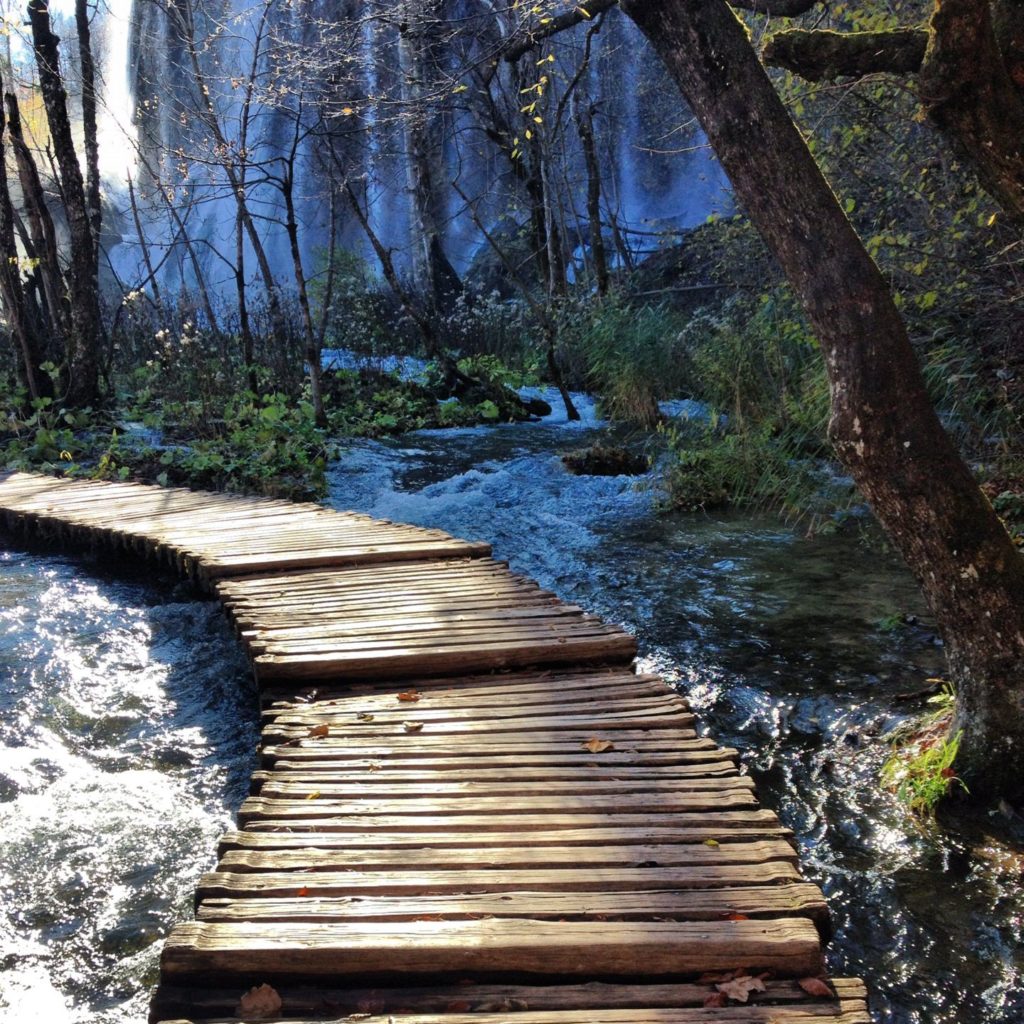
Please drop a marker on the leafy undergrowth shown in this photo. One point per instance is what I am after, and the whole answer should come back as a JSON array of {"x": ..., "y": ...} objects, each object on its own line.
[
  {"x": 211, "y": 432},
  {"x": 920, "y": 768}
]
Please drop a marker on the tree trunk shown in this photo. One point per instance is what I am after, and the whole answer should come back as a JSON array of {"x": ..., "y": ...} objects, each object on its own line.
[
  {"x": 83, "y": 270},
  {"x": 968, "y": 92},
  {"x": 883, "y": 425},
  {"x": 12, "y": 294},
  {"x": 422, "y": 84},
  {"x": 585, "y": 127},
  {"x": 313, "y": 358}
]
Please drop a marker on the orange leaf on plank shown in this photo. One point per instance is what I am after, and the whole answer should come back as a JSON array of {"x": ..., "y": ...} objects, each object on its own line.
[
  {"x": 816, "y": 987},
  {"x": 409, "y": 696},
  {"x": 736, "y": 917},
  {"x": 598, "y": 746},
  {"x": 740, "y": 988},
  {"x": 259, "y": 1002},
  {"x": 319, "y": 730},
  {"x": 302, "y": 892}
]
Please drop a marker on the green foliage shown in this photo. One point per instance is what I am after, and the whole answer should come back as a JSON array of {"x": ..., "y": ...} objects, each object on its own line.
[
  {"x": 628, "y": 355},
  {"x": 919, "y": 770},
  {"x": 921, "y": 773},
  {"x": 759, "y": 372}
]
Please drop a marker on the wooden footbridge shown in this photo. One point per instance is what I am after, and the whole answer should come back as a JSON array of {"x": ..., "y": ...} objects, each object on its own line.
[{"x": 471, "y": 810}]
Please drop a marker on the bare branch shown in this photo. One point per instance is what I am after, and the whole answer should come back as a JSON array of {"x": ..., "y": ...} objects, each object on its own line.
[{"x": 822, "y": 55}]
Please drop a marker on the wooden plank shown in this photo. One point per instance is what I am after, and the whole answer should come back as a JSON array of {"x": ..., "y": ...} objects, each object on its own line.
[
  {"x": 312, "y": 858},
  {"x": 788, "y": 947},
  {"x": 521, "y": 792},
  {"x": 346, "y": 758},
  {"x": 842, "y": 1012},
  {"x": 441, "y": 659},
  {"x": 385, "y": 774},
  {"x": 719, "y": 798},
  {"x": 258, "y": 815},
  {"x": 596, "y": 836},
  {"x": 489, "y": 1000},
  {"x": 425, "y": 882},
  {"x": 793, "y": 899}
]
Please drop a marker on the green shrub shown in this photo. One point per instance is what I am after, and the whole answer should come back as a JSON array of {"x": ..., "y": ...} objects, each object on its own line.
[{"x": 629, "y": 355}]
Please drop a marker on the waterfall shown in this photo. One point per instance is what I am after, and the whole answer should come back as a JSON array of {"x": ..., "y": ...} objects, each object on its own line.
[{"x": 657, "y": 176}]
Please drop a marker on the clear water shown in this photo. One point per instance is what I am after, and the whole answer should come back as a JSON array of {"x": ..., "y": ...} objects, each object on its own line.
[
  {"x": 127, "y": 734},
  {"x": 127, "y": 727}
]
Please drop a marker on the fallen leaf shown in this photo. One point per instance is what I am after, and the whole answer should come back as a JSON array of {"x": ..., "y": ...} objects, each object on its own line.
[
  {"x": 598, "y": 746},
  {"x": 736, "y": 917},
  {"x": 740, "y": 988},
  {"x": 302, "y": 892},
  {"x": 373, "y": 767},
  {"x": 319, "y": 730},
  {"x": 816, "y": 987},
  {"x": 259, "y": 1002},
  {"x": 412, "y": 726},
  {"x": 313, "y": 795},
  {"x": 364, "y": 716},
  {"x": 409, "y": 696},
  {"x": 712, "y": 842},
  {"x": 715, "y": 999}
]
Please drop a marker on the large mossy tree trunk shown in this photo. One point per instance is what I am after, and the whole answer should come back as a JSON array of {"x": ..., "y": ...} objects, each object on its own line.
[{"x": 883, "y": 425}]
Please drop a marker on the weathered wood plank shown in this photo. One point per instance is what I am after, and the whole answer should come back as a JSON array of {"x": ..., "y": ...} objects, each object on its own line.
[
  {"x": 492, "y": 945},
  {"x": 425, "y": 882},
  {"x": 395, "y": 840},
  {"x": 488, "y": 1000},
  {"x": 799, "y": 899}
]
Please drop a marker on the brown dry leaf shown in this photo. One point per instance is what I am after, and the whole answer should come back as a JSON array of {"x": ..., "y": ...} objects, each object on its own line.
[
  {"x": 412, "y": 726},
  {"x": 313, "y": 795},
  {"x": 736, "y": 917},
  {"x": 364, "y": 716},
  {"x": 258, "y": 1002},
  {"x": 816, "y": 987},
  {"x": 740, "y": 988},
  {"x": 409, "y": 696},
  {"x": 373, "y": 767},
  {"x": 712, "y": 976},
  {"x": 715, "y": 999},
  {"x": 598, "y": 746},
  {"x": 319, "y": 730},
  {"x": 302, "y": 892}
]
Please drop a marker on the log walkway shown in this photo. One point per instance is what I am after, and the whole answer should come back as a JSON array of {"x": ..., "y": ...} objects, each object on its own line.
[{"x": 470, "y": 810}]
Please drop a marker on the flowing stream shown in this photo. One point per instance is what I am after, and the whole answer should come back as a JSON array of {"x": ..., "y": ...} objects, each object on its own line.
[{"x": 128, "y": 726}]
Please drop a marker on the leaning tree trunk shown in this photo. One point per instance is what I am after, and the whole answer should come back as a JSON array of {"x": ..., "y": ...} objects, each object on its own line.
[{"x": 883, "y": 425}]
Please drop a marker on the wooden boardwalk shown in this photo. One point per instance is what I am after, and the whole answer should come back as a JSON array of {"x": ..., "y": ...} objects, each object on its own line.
[{"x": 470, "y": 807}]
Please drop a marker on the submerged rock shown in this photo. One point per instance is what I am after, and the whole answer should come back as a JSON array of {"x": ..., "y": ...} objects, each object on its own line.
[{"x": 605, "y": 460}]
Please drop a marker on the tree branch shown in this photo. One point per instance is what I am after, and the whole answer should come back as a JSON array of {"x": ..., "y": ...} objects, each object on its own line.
[
  {"x": 968, "y": 92},
  {"x": 526, "y": 38},
  {"x": 822, "y": 55},
  {"x": 776, "y": 8}
]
